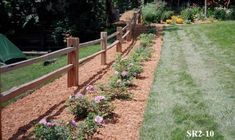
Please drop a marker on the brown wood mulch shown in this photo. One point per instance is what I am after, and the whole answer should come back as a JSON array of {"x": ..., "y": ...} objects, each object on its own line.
[{"x": 19, "y": 118}]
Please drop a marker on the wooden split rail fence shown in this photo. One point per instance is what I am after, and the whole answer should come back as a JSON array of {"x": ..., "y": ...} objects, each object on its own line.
[{"x": 72, "y": 51}]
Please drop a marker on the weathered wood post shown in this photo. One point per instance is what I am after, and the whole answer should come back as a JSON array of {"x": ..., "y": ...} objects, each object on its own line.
[
  {"x": 128, "y": 38},
  {"x": 103, "y": 43},
  {"x": 73, "y": 56},
  {"x": 135, "y": 17},
  {"x": 119, "y": 38}
]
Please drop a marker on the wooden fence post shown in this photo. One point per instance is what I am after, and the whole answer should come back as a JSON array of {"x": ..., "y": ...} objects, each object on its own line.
[
  {"x": 129, "y": 29},
  {"x": 119, "y": 38},
  {"x": 135, "y": 17},
  {"x": 73, "y": 59},
  {"x": 103, "y": 43}
]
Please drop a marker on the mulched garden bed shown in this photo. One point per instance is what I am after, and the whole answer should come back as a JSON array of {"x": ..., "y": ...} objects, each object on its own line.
[{"x": 19, "y": 118}]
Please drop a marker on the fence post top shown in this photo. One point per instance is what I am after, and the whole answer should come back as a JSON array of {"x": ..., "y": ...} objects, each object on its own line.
[
  {"x": 119, "y": 28},
  {"x": 73, "y": 41},
  {"x": 72, "y": 38},
  {"x": 103, "y": 34}
]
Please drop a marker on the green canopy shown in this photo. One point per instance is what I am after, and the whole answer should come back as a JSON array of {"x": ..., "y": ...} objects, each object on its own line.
[{"x": 9, "y": 53}]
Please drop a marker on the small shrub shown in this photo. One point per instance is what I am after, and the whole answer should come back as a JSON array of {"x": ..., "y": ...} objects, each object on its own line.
[
  {"x": 117, "y": 82},
  {"x": 51, "y": 131},
  {"x": 149, "y": 14},
  {"x": 167, "y": 15},
  {"x": 87, "y": 128},
  {"x": 220, "y": 13},
  {"x": 115, "y": 93},
  {"x": 102, "y": 106},
  {"x": 223, "y": 13},
  {"x": 146, "y": 39},
  {"x": 173, "y": 18},
  {"x": 79, "y": 106},
  {"x": 179, "y": 21},
  {"x": 151, "y": 30},
  {"x": 152, "y": 12},
  {"x": 134, "y": 68},
  {"x": 187, "y": 14},
  {"x": 169, "y": 21}
]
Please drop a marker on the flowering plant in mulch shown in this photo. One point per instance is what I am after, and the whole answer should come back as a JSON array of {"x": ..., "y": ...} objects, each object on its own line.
[
  {"x": 125, "y": 71},
  {"x": 146, "y": 40},
  {"x": 79, "y": 105},
  {"x": 51, "y": 130},
  {"x": 89, "y": 127},
  {"x": 90, "y": 89},
  {"x": 115, "y": 93},
  {"x": 102, "y": 106},
  {"x": 141, "y": 54}
]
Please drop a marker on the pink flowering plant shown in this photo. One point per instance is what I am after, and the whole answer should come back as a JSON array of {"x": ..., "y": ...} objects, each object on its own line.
[
  {"x": 89, "y": 127},
  {"x": 102, "y": 106},
  {"x": 125, "y": 71},
  {"x": 51, "y": 130},
  {"x": 90, "y": 89},
  {"x": 79, "y": 106}
]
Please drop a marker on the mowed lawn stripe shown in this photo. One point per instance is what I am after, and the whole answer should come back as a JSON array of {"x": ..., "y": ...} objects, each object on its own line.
[
  {"x": 216, "y": 80},
  {"x": 186, "y": 94}
]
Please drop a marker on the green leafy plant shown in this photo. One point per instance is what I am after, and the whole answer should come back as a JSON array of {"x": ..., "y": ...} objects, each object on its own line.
[
  {"x": 117, "y": 82},
  {"x": 187, "y": 14},
  {"x": 88, "y": 128},
  {"x": 167, "y": 15},
  {"x": 146, "y": 39},
  {"x": 220, "y": 13},
  {"x": 151, "y": 30},
  {"x": 79, "y": 106},
  {"x": 51, "y": 131},
  {"x": 115, "y": 93},
  {"x": 224, "y": 13},
  {"x": 102, "y": 106},
  {"x": 125, "y": 71},
  {"x": 152, "y": 12}
]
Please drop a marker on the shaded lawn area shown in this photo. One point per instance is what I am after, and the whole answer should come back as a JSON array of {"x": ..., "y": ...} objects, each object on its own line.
[
  {"x": 29, "y": 73},
  {"x": 194, "y": 87}
]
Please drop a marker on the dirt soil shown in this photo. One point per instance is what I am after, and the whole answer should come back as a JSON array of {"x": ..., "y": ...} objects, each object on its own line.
[{"x": 19, "y": 117}]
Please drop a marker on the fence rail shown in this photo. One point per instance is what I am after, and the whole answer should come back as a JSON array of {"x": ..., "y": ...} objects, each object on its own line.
[
  {"x": 14, "y": 66},
  {"x": 90, "y": 43}
]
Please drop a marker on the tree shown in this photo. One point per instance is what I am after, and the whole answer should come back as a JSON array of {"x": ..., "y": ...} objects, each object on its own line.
[{"x": 205, "y": 8}]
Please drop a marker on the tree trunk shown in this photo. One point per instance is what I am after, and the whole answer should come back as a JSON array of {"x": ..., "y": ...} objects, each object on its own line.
[
  {"x": 108, "y": 12},
  {"x": 228, "y": 3},
  {"x": 205, "y": 8}
]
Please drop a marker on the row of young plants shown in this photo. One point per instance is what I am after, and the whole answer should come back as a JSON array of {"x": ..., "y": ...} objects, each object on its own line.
[{"x": 96, "y": 111}]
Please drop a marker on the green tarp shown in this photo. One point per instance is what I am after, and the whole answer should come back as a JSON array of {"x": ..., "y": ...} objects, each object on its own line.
[{"x": 9, "y": 53}]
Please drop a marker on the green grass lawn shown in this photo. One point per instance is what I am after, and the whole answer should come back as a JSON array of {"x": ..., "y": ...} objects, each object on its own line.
[
  {"x": 29, "y": 73},
  {"x": 194, "y": 87}
]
